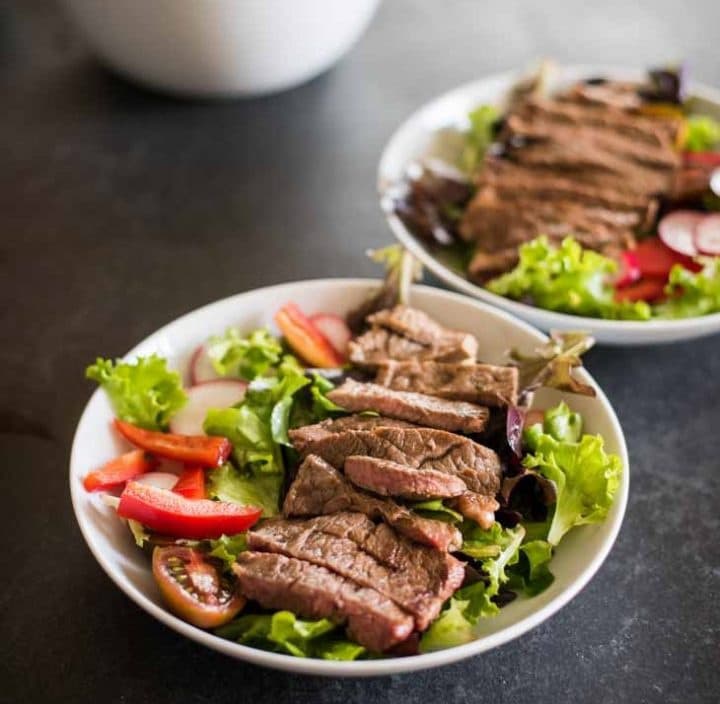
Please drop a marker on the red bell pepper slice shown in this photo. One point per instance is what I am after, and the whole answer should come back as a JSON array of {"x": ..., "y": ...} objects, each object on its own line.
[
  {"x": 709, "y": 159},
  {"x": 191, "y": 483},
  {"x": 168, "y": 513},
  {"x": 305, "y": 339},
  {"x": 655, "y": 259},
  {"x": 207, "y": 451},
  {"x": 644, "y": 290},
  {"x": 629, "y": 269},
  {"x": 119, "y": 470}
]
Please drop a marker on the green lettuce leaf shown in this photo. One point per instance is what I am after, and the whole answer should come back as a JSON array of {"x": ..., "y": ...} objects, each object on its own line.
[
  {"x": 479, "y": 137},
  {"x": 586, "y": 477},
  {"x": 245, "y": 356},
  {"x": 228, "y": 547},
  {"x": 283, "y": 632},
  {"x": 692, "y": 294},
  {"x": 144, "y": 392},
  {"x": 563, "y": 424},
  {"x": 258, "y": 429},
  {"x": 436, "y": 510},
  {"x": 531, "y": 574},
  {"x": 247, "y": 487},
  {"x": 498, "y": 550},
  {"x": 702, "y": 134},
  {"x": 568, "y": 279}
]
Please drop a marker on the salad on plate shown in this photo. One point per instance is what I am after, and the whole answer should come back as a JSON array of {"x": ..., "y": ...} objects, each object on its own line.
[
  {"x": 600, "y": 199},
  {"x": 350, "y": 488}
]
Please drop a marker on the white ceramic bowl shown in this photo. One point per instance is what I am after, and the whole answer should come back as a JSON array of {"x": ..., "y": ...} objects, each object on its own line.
[
  {"x": 221, "y": 48},
  {"x": 580, "y": 554},
  {"x": 434, "y": 130}
]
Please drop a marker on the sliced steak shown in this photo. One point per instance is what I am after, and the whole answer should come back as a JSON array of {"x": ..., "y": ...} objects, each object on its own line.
[
  {"x": 476, "y": 383},
  {"x": 585, "y": 162},
  {"x": 280, "y": 582},
  {"x": 319, "y": 489},
  {"x": 406, "y": 333},
  {"x": 410, "y": 406},
  {"x": 416, "y": 578},
  {"x": 300, "y": 437},
  {"x": 388, "y": 478},
  {"x": 416, "y": 325},
  {"x": 417, "y": 448},
  {"x": 378, "y": 345}
]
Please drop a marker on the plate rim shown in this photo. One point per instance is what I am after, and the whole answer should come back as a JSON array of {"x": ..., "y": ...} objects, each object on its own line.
[
  {"x": 368, "y": 668},
  {"x": 523, "y": 310}
]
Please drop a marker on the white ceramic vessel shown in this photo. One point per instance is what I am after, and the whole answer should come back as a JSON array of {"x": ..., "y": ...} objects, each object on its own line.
[
  {"x": 434, "y": 130},
  {"x": 221, "y": 48},
  {"x": 578, "y": 557}
]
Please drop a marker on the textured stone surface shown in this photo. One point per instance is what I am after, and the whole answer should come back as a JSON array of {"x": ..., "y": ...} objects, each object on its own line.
[{"x": 119, "y": 210}]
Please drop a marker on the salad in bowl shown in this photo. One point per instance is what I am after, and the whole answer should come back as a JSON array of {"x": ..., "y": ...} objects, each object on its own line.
[
  {"x": 585, "y": 193},
  {"x": 356, "y": 488}
]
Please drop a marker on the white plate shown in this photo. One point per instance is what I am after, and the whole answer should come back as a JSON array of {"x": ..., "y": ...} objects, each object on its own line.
[
  {"x": 434, "y": 130},
  {"x": 578, "y": 557}
]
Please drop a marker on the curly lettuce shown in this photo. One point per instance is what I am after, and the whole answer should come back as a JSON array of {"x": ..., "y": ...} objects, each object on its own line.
[
  {"x": 692, "y": 294},
  {"x": 586, "y": 478},
  {"x": 702, "y": 134},
  {"x": 496, "y": 550},
  {"x": 245, "y": 356},
  {"x": 283, "y": 632},
  {"x": 258, "y": 429},
  {"x": 144, "y": 392},
  {"x": 479, "y": 137},
  {"x": 568, "y": 279}
]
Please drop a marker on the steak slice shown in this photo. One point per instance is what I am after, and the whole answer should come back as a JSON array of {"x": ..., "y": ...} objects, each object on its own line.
[
  {"x": 378, "y": 345},
  {"x": 407, "y": 333},
  {"x": 280, "y": 582},
  {"x": 300, "y": 437},
  {"x": 417, "y": 448},
  {"x": 319, "y": 489},
  {"x": 391, "y": 479},
  {"x": 416, "y": 325},
  {"x": 416, "y": 578},
  {"x": 477, "y": 383},
  {"x": 408, "y": 405}
]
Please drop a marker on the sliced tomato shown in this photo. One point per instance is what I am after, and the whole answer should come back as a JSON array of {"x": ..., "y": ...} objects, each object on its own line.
[
  {"x": 192, "y": 449},
  {"x": 305, "y": 339},
  {"x": 644, "y": 290},
  {"x": 119, "y": 470},
  {"x": 166, "y": 512},
  {"x": 194, "y": 588},
  {"x": 655, "y": 259},
  {"x": 191, "y": 483}
]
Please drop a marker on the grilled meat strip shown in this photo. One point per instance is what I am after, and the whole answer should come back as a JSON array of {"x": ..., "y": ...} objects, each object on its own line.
[
  {"x": 319, "y": 489},
  {"x": 410, "y": 406}
]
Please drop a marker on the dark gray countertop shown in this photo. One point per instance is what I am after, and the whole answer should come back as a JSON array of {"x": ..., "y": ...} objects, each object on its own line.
[{"x": 120, "y": 210}]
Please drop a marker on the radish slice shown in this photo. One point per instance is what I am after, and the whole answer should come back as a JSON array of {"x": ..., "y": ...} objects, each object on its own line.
[
  {"x": 160, "y": 480},
  {"x": 677, "y": 231},
  {"x": 707, "y": 235},
  {"x": 334, "y": 328},
  {"x": 201, "y": 368},
  {"x": 221, "y": 393}
]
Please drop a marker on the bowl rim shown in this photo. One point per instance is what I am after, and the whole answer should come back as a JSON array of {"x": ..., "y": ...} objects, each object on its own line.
[
  {"x": 367, "y": 668},
  {"x": 460, "y": 282}
]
